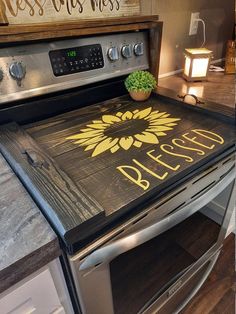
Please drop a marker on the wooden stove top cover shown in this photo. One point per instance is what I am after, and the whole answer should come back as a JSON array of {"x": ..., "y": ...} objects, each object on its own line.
[{"x": 93, "y": 164}]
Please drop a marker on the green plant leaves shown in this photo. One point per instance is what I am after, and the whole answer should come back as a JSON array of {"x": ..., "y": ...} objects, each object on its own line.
[{"x": 140, "y": 81}]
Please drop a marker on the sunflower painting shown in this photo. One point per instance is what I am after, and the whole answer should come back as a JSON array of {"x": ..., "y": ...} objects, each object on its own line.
[{"x": 124, "y": 130}]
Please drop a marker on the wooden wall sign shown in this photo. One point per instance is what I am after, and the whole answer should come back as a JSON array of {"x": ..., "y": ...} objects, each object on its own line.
[{"x": 40, "y": 11}]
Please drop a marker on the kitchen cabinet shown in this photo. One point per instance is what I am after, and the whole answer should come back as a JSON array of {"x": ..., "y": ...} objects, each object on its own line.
[{"x": 43, "y": 292}]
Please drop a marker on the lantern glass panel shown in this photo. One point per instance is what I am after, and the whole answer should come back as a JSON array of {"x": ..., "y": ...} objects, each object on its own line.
[
  {"x": 187, "y": 65},
  {"x": 200, "y": 67}
]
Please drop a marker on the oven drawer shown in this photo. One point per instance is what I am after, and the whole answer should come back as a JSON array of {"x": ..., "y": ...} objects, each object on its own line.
[
  {"x": 179, "y": 295},
  {"x": 129, "y": 271},
  {"x": 110, "y": 251}
]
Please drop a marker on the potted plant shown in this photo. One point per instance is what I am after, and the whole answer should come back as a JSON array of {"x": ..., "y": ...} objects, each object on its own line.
[{"x": 140, "y": 85}]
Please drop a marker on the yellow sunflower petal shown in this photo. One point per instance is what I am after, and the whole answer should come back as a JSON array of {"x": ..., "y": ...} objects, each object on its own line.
[
  {"x": 137, "y": 144},
  {"x": 126, "y": 142},
  {"x": 155, "y": 116},
  {"x": 154, "y": 112},
  {"x": 127, "y": 115},
  {"x": 86, "y": 130},
  {"x": 90, "y": 147},
  {"x": 97, "y": 121},
  {"x": 171, "y": 124},
  {"x": 85, "y": 135},
  {"x": 115, "y": 149},
  {"x": 110, "y": 119},
  {"x": 147, "y": 137},
  {"x": 104, "y": 145},
  {"x": 80, "y": 141},
  {"x": 143, "y": 113},
  {"x": 160, "y": 133}
]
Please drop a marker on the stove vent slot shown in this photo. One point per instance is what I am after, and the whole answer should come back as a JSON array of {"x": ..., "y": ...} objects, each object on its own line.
[
  {"x": 223, "y": 175},
  {"x": 140, "y": 218},
  {"x": 97, "y": 265},
  {"x": 170, "y": 197},
  {"x": 204, "y": 175},
  {"x": 176, "y": 209},
  {"x": 201, "y": 191},
  {"x": 227, "y": 160}
]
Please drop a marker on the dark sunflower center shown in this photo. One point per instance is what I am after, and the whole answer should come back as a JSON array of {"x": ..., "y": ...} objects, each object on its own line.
[{"x": 126, "y": 128}]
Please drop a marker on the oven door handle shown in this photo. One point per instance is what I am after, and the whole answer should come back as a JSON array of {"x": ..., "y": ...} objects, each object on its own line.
[{"x": 108, "y": 252}]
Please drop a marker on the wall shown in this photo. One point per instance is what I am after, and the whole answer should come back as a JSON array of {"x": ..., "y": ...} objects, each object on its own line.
[{"x": 217, "y": 14}]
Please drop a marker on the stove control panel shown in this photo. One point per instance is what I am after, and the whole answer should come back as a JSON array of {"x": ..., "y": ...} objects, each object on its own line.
[
  {"x": 76, "y": 59},
  {"x": 41, "y": 68}
]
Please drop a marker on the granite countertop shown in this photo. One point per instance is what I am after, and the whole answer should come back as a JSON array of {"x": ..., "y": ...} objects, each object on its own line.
[
  {"x": 27, "y": 242},
  {"x": 216, "y": 95},
  {"x": 219, "y": 88}
]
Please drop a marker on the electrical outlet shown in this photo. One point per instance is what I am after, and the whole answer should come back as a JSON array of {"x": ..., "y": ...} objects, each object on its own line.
[{"x": 194, "y": 23}]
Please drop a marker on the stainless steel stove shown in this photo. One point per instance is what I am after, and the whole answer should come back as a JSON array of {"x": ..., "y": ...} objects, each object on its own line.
[
  {"x": 38, "y": 69},
  {"x": 136, "y": 223}
]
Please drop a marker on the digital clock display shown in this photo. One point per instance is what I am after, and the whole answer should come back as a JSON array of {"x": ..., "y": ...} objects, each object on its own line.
[
  {"x": 71, "y": 53},
  {"x": 76, "y": 59}
]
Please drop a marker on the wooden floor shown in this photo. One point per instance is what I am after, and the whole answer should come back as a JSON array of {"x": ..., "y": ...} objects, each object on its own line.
[{"x": 217, "y": 295}]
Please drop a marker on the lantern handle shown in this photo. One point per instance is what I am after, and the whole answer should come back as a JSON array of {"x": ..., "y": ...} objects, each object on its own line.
[{"x": 197, "y": 101}]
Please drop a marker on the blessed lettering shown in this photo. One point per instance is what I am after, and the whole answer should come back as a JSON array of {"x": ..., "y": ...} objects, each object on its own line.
[{"x": 201, "y": 141}]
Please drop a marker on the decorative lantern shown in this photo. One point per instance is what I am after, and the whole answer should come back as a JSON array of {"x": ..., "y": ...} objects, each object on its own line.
[{"x": 197, "y": 62}]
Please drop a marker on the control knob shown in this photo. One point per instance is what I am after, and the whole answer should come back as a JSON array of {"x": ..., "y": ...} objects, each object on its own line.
[
  {"x": 126, "y": 51},
  {"x": 17, "y": 71},
  {"x": 139, "y": 49},
  {"x": 113, "y": 54}
]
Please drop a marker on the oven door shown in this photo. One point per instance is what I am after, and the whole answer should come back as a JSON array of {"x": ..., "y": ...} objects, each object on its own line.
[{"x": 130, "y": 272}]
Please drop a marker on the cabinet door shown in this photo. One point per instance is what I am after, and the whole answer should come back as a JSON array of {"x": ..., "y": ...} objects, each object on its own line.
[{"x": 36, "y": 296}]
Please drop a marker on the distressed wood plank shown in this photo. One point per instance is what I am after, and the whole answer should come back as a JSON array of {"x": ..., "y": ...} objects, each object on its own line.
[
  {"x": 65, "y": 204},
  {"x": 53, "y": 33},
  {"x": 52, "y": 136},
  {"x": 51, "y": 133},
  {"x": 155, "y": 39},
  {"x": 25, "y": 32},
  {"x": 99, "y": 175},
  {"x": 123, "y": 192},
  {"x": 49, "y": 11},
  {"x": 77, "y": 24}
]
